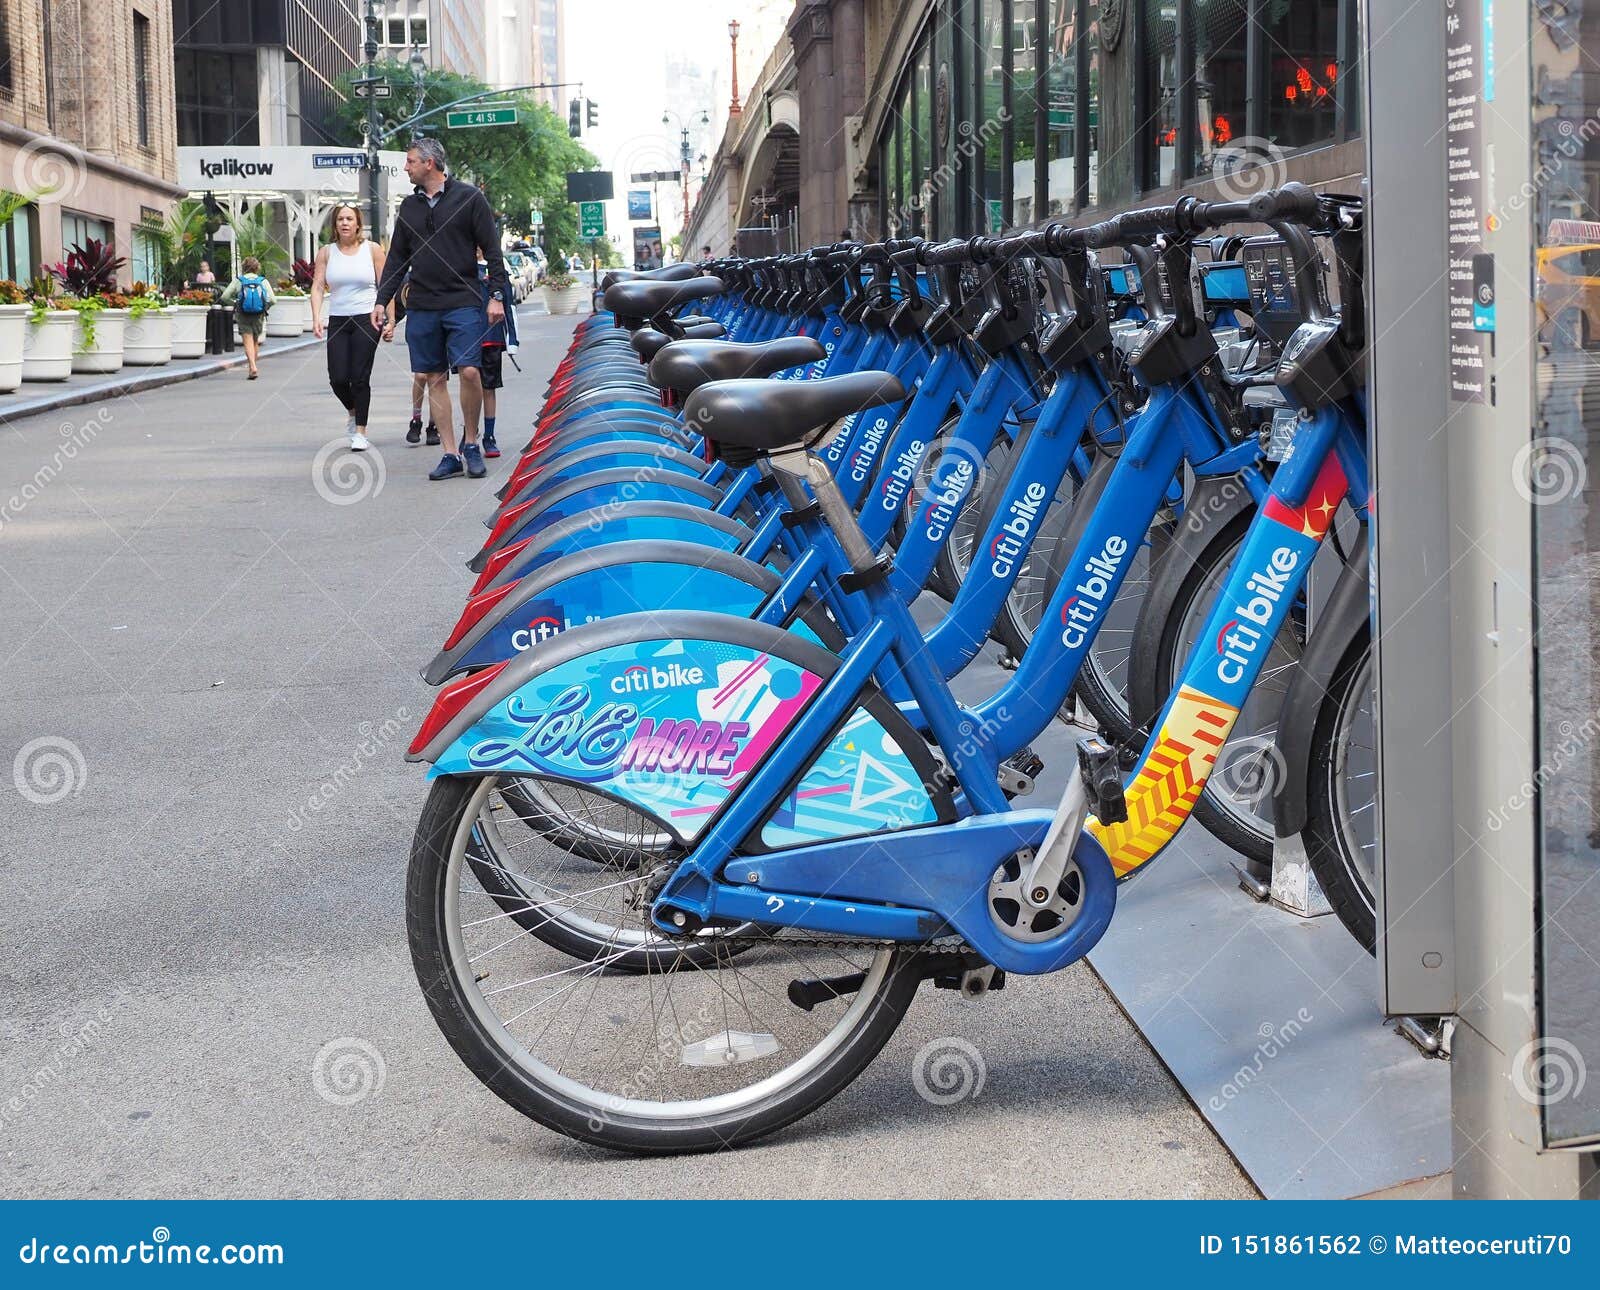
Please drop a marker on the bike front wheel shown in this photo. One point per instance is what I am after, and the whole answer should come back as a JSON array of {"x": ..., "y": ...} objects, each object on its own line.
[{"x": 656, "y": 1060}]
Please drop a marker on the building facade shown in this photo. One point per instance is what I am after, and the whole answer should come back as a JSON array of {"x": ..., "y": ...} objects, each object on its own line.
[
  {"x": 452, "y": 36},
  {"x": 262, "y": 72},
  {"x": 987, "y": 114},
  {"x": 948, "y": 118},
  {"x": 525, "y": 47},
  {"x": 550, "y": 51},
  {"x": 87, "y": 129}
]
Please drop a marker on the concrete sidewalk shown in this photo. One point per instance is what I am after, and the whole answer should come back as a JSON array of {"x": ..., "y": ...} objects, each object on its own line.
[{"x": 215, "y": 616}]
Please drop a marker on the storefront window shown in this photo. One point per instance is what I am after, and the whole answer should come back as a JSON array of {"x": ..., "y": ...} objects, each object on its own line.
[
  {"x": 1024, "y": 108},
  {"x": 1220, "y": 31},
  {"x": 922, "y": 132},
  {"x": 17, "y": 241},
  {"x": 990, "y": 123},
  {"x": 1302, "y": 44},
  {"x": 1160, "y": 126},
  {"x": 77, "y": 230},
  {"x": 146, "y": 259},
  {"x": 905, "y": 187}
]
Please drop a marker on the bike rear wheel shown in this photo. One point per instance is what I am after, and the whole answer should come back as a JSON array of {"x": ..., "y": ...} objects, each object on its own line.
[{"x": 657, "y": 1061}]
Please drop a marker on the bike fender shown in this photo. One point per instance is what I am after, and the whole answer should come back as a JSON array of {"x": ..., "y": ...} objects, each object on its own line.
[
  {"x": 668, "y": 711},
  {"x": 1346, "y": 617},
  {"x": 606, "y": 582},
  {"x": 641, "y": 521},
  {"x": 614, "y": 487},
  {"x": 602, "y": 456}
]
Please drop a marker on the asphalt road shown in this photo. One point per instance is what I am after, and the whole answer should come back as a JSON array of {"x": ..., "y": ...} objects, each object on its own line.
[{"x": 206, "y": 990}]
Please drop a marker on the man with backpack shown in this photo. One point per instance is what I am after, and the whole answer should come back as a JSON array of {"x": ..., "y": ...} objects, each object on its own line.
[
  {"x": 251, "y": 296},
  {"x": 437, "y": 233}
]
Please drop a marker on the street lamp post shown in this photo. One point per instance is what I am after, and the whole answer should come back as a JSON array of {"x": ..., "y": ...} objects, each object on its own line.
[
  {"x": 370, "y": 49},
  {"x": 733, "y": 39},
  {"x": 685, "y": 153}
]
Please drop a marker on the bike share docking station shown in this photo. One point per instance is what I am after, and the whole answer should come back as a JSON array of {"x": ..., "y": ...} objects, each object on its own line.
[
  {"x": 1486, "y": 541},
  {"x": 1484, "y": 676}
]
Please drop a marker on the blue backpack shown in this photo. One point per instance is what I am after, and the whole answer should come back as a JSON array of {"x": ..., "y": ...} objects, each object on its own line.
[{"x": 252, "y": 294}]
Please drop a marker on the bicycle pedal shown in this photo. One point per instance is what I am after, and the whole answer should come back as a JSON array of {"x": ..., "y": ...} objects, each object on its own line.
[
  {"x": 1102, "y": 780},
  {"x": 808, "y": 994},
  {"x": 1018, "y": 772}
]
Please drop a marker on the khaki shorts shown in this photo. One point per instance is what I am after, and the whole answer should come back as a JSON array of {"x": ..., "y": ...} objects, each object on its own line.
[{"x": 250, "y": 324}]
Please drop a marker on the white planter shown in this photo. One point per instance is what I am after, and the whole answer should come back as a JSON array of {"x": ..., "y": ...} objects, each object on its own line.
[
  {"x": 290, "y": 316},
  {"x": 13, "y": 333},
  {"x": 189, "y": 330},
  {"x": 147, "y": 339},
  {"x": 568, "y": 301},
  {"x": 105, "y": 355},
  {"x": 47, "y": 346}
]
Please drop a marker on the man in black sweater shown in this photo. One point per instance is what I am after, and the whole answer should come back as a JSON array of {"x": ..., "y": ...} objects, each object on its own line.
[{"x": 437, "y": 234}]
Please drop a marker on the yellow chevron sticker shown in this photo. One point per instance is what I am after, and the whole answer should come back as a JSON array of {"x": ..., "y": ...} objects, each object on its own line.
[{"x": 1164, "y": 791}]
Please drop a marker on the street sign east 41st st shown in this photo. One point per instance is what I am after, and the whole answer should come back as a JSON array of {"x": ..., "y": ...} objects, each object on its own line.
[{"x": 468, "y": 117}]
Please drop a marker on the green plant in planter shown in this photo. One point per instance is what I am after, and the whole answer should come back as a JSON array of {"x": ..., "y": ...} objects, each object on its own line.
[
  {"x": 89, "y": 270},
  {"x": 42, "y": 296},
  {"x": 559, "y": 280},
  {"x": 288, "y": 287},
  {"x": 144, "y": 299},
  {"x": 252, "y": 235},
  {"x": 11, "y": 293}
]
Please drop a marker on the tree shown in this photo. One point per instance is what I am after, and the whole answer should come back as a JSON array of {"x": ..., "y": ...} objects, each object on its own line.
[
  {"x": 521, "y": 167},
  {"x": 182, "y": 239},
  {"x": 252, "y": 235}
]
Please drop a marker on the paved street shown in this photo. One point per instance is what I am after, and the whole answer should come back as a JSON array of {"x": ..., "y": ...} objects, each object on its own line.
[{"x": 211, "y": 624}]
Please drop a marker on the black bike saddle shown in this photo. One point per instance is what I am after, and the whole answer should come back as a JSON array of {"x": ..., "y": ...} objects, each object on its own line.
[
  {"x": 671, "y": 273},
  {"x": 766, "y": 416},
  {"x": 686, "y": 365},
  {"x": 646, "y": 299},
  {"x": 647, "y": 341}
]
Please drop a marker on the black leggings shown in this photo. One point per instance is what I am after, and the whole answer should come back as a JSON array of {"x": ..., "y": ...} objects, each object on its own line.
[{"x": 352, "y": 347}]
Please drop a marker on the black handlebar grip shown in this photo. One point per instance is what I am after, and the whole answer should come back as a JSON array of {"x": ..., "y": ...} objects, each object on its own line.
[
  {"x": 951, "y": 252},
  {"x": 1293, "y": 201},
  {"x": 1150, "y": 219},
  {"x": 1106, "y": 233}
]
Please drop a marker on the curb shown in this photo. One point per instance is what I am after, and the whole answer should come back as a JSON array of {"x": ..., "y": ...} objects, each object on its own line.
[{"x": 117, "y": 387}]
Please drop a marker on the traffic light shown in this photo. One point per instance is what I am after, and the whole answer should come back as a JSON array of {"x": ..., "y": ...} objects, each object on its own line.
[
  {"x": 574, "y": 119},
  {"x": 594, "y": 114}
]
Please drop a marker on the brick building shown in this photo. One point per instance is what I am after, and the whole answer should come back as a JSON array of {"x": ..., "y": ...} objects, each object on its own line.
[{"x": 87, "y": 127}]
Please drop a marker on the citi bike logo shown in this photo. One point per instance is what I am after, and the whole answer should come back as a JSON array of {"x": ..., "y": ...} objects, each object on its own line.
[
  {"x": 1078, "y": 615},
  {"x": 861, "y": 466},
  {"x": 639, "y": 679},
  {"x": 1241, "y": 637},
  {"x": 942, "y": 505},
  {"x": 548, "y": 620},
  {"x": 900, "y": 474},
  {"x": 1012, "y": 539}
]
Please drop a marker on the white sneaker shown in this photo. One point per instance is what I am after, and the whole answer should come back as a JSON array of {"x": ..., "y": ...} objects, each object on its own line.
[{"x": 359, "y": 442}]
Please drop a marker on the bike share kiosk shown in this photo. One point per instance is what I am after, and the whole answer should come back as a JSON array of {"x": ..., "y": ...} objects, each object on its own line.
[{"x": 1484, "y": 176}]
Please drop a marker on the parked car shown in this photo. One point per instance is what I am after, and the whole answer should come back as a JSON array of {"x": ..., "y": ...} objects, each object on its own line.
[
  {"x": 541, "y": 263},
  {"x": 520, "y": 272}
]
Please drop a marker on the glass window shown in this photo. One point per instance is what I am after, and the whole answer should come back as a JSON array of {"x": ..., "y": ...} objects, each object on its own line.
[
  {"x": 146, "y": 260},
  {"x": 8, "y": 70},
  {"x": 396, "y": 31},
  {"x": 989, "y": 122},
  {"x": 76, "y": 230},
  {"x": 922, "y": 137},
  {"x": 1160, "y": 132},
  {"x": 419, "y": 31},
  {"x": 1024, "y": 108},
  {"x": 1220, "y": 80},
  {"x": 903, "y": 187},
  {"x": 141, "y": 76},
  {"x": 17, "y": 241},
  {"x": 1302, "y": 44},
  {"x": 1071, "y": 97}
]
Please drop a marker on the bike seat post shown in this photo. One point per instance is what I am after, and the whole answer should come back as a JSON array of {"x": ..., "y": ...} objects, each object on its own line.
[{"x": 836, "y": 513}]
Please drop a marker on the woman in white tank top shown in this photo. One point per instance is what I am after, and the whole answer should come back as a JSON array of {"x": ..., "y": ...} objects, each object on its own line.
[{"x": 346, "y": 280}]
